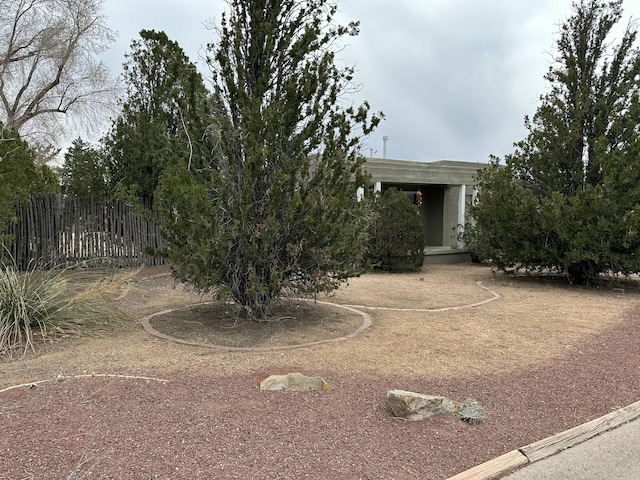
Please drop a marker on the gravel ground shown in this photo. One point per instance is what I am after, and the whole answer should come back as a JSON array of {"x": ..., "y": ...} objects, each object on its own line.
[{"x": 540, "y": 358}]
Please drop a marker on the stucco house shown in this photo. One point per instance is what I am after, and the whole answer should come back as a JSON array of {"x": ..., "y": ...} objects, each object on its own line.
[{"x": 445, "y": 187}]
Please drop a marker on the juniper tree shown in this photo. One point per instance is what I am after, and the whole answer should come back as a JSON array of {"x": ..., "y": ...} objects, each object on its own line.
[
  {"x": 396, "y": 238},
  {"x": 567, "y": 198},
  {"x": 274, "y": 212},
  {"x": 20, "y": 176},
  {"x": 163, "y": 115},
  {"x": 84, "y": 173}
]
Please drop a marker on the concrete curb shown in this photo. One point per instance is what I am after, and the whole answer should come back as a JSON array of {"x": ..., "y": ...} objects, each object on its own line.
[{"x": 550, "y": 446}]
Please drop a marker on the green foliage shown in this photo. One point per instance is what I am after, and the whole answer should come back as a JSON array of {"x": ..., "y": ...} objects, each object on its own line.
[
  {"x": 47, "y": 180},
  {"x": 84, "y": 173},
  {"x": 164, "y": 117},
  {"x": 272, "y": 210},
  {"x": 396, "y": 238},
  {"x": 567, "y": 199},
  {"x": 19, "y": 175},
  {"x": 38, "y": 303}
]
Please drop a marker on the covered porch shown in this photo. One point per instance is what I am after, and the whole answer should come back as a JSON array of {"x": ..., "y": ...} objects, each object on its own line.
[{"x": 445, "y": 188}]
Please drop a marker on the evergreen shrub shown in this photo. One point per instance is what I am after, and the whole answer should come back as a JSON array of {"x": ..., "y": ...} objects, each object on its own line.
[{"x": 396, "y": 242}]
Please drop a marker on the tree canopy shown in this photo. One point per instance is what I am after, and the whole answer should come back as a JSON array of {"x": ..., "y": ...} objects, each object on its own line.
[
  {"x": 164, "y": 115},
  {"x": 567, "y": 199},
  {"x": 84, "y": 172},
  {"x": 19, "y": 175},
  {"x": 396, "y": 241},
  {"x": 272, "y": 210},
  {"x": 49, "y": 73}
]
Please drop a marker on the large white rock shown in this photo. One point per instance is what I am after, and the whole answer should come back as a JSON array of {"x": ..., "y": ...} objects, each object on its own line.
[{"x": 295, "y": 382}]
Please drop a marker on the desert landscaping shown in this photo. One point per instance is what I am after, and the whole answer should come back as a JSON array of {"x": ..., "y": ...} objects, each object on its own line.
[{"x": 539, "y": 355}]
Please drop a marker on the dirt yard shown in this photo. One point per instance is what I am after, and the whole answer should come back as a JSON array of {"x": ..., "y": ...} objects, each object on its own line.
[{"x": 540, "y": 356}]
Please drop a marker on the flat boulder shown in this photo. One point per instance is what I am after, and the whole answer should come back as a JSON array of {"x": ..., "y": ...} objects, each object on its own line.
[
  {"x": 416, "y": 406},
  {"x": 295, "y": 382}
]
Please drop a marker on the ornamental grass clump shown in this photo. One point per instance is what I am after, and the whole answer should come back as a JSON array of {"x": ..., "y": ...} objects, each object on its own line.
[{"x": 44, "y": 304}]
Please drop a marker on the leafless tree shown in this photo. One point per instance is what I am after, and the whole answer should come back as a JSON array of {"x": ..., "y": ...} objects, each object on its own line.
[{"x": 51, "y": 80}]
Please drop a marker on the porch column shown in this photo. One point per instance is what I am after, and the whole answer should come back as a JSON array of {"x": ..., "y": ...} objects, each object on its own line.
[{"x": 462, "y": 207}]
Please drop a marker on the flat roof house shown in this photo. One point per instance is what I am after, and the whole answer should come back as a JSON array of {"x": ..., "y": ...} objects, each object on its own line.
[{"x": 446, "y": 187}]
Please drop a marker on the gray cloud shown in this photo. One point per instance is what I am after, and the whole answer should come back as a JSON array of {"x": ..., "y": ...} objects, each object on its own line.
[{"x": 454, "y": 77}]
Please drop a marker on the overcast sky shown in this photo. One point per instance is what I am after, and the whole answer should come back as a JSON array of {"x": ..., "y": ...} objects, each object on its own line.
[{"x": 454, "y": 78}]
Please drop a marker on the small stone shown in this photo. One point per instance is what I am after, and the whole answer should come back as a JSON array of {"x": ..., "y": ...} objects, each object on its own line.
[
  {"x": 295, "y": 382},
  {"x": 60, "y": 378},
  {"x": 471, "y": 412}
]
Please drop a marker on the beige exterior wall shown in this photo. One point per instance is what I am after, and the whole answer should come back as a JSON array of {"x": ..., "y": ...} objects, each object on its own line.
[{"x": 445, "y": 172}]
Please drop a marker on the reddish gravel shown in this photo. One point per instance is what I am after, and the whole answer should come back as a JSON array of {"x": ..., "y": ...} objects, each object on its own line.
[{"x": 204, "y": 426}]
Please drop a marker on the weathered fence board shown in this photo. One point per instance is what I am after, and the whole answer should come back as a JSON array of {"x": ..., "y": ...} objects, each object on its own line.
[{"x": 63, "y": 231}]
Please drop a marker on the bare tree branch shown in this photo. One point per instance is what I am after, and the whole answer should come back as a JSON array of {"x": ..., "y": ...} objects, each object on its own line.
[{"x": 49, "y": 71}]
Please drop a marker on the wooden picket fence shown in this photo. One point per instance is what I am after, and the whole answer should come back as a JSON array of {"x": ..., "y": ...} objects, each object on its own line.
[{"x": 62, "y": 231}]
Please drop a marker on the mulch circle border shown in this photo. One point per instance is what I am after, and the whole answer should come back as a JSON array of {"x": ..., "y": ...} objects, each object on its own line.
[
  {"x": 149, "y": 328},
  {"x": 366, "y": 323}
]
